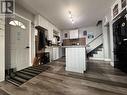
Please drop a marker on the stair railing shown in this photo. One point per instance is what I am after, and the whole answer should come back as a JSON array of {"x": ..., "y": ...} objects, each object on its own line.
[
  {"x": 91, "y": 42},
  {"x": 94, "y": 39}
]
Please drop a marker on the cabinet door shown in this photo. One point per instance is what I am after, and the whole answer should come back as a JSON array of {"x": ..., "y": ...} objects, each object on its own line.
[
  {"x": 74, "y": 34},
  {"x": 55, "y": 53}
]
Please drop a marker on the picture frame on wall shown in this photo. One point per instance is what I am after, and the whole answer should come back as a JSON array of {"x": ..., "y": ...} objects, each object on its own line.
[
  {"x": 85, "y": 33},
  {"x": 90, "y": 35}
]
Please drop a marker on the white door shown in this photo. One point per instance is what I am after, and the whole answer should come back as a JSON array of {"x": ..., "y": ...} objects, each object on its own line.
[{"x": 19, "y": 44}]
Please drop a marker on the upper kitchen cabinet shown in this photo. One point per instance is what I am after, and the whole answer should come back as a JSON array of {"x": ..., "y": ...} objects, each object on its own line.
[
  {"x": 118, "y": 7},
  {"x": 74, "y": 34}
]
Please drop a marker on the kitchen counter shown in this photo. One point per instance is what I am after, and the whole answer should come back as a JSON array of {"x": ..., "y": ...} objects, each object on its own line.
[{"x": 75, "y": 58}]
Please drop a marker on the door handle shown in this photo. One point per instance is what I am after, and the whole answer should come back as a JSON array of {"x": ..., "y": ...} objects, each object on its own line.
[{"x": 27, "y": 47}]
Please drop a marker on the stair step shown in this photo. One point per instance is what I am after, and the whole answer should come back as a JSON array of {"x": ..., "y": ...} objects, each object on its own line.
[
  {"x": 100, "y": 52},
  {"x": 93, "y": 58},
  {"x": 27, "y": 77},
  {"x": 28, "y": 73},
  {"x": 100, "y": 49},
  {"x": 98, "y": 55},
  {"x": 17, "y": 83},
  {"x": 19, "y": 79}
]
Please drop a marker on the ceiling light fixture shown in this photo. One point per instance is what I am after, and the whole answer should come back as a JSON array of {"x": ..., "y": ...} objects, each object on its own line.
[{"x": 71, "y": 17}]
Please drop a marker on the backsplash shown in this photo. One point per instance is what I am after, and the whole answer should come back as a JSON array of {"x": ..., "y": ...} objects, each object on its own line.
[{"x": 70, "y": 42}]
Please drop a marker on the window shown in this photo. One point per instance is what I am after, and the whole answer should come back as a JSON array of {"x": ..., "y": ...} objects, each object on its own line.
[{"x": 17, "y": 23}]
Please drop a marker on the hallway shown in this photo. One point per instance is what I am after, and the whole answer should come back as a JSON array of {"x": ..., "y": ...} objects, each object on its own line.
[{"x": 99, "y": 79}]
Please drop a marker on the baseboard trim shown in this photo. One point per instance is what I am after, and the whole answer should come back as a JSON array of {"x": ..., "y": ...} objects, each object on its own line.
[
  {"x": 107, "y": 60},
  {"x": 112, "y": 64},
  {"x": 97, "y": 59}
]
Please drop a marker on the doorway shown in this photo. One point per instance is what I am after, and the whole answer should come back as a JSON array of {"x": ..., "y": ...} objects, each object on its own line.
[{"x": 18, "y": 44}]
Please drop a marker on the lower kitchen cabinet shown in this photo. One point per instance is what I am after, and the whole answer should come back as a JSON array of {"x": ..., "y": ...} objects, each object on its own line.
[{"x": 55, "y": 52}]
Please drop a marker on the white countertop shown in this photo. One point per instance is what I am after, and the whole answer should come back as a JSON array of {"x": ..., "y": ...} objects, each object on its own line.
[{"x": 74, "y": 46}]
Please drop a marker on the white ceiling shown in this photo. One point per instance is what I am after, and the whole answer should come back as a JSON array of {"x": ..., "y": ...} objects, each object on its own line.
[{"x": 86, "y": 12}]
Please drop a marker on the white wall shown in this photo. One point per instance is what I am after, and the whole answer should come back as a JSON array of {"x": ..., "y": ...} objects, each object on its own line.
[
  {"x": 93, "y": 29},
  {"x": 23, "y": 12},
  {"x": 96, "y": 31},
  {"x": 2, "y": 49}
]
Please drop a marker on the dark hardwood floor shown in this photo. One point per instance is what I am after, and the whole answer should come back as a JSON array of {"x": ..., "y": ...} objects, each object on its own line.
[
  {"x": 100, "y": 79},
  {"x": 3, "y": 92}
]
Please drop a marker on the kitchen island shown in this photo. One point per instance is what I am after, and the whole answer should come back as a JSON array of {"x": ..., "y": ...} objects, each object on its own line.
[{"x": 75, "y": 58}]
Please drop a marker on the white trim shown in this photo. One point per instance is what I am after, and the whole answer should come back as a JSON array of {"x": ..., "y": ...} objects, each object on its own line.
[
  {"x": 96, "y": 58},
  {"x": 107, "y": 60},
  {"x": 112, "y": 64},
  {"x": 2, "y": 49},
  {"x": 30, "y": 45}
]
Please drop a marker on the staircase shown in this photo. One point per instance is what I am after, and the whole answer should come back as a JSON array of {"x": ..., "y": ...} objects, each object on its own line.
[
  {"x": 95, "y": 49},
  {"x": 22, "y": 76},
  {"x": 97, "y": 54}
]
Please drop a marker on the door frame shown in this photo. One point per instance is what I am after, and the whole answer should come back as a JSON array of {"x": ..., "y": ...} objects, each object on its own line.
[{"x": 30, "y": 34}]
